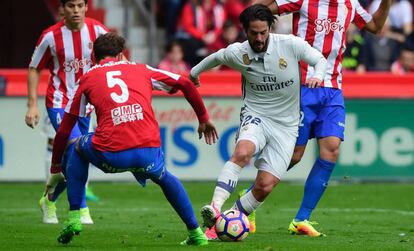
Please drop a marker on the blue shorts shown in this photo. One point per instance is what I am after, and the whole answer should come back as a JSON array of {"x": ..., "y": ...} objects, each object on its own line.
[
  {"x": 143, "y": 163},
  {"x": 322, "y": 114},
  {"x": 56, "y": 116}
]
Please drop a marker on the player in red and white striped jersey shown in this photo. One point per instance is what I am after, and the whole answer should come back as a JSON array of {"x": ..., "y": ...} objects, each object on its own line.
[
  {"x": 323, "y": 24},
  {"x": 65, "y": 49}
]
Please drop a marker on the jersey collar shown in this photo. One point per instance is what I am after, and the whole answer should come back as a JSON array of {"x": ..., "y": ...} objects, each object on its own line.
[{"x": 107, "y": 60}]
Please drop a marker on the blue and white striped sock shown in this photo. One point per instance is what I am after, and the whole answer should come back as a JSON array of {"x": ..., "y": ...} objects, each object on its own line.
[
  {"x": 247, "y": 203},
  {"x": 226, "y": 183}
]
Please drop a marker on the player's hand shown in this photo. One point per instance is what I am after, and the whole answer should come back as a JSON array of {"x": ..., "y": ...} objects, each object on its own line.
[
  {"x": 313, "y": 82},
  {"x": 32, "y": 117},
  {"x": 196, "y": 80},
  {"x": 209, "y": 131},
  {"x": 52, "y": 182}
]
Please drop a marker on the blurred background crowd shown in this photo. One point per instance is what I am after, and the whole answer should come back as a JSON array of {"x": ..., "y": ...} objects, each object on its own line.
[
  {"x": 204, "y": 26},
  {"x": 176, "y": 34}
]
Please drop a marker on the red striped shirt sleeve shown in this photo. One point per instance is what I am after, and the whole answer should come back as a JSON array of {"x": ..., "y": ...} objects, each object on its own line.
[
  {"x": 289, "y": 6},
  {"x": 167, "y": 81},
  {"x": 362, "y": 17},
  {"x": 41, "y": 56}
]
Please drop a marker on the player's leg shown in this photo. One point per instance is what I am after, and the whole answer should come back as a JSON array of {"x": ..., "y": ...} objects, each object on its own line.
[
  {"x": 226, "y": 183},
  {"x": 329, "y": 129},
  {"x": 250, "y": 140},
  {"x": 272, "y": 162},
  {"x": 177, "y": 196},
  {"x": 318, "y": 177},
  {"x": 76, "y": 173},
  {"x": 229, "y": 175},
  {"x": 48, "y": 207},
  {"x": 151, "y": 160},
  {"x": 263, "y": 186},
  {"x": 56, "y": 115},
  {"x": 309, "y": 109},
  {"x": 47, "y": 202},
  {"x": 84, "y": 126}
]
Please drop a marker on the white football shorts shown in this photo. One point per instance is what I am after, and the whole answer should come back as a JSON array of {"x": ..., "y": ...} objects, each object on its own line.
[{"x": 274, "y": 143}]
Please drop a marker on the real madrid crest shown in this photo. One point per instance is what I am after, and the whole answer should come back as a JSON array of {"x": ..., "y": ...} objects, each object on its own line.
[
  {"x": 246, "y": 59},
  {"x": 282, "y": 63}
]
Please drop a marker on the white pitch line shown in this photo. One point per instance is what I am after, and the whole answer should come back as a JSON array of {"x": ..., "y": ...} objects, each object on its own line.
[
  {"x": 356, "y": 210},
  {"x": 146, "y": 209}
]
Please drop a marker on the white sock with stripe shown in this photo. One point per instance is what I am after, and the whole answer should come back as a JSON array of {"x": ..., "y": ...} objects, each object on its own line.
[
  {"x": 226, "y": 182},
  {"x": 247, "y": 203}
]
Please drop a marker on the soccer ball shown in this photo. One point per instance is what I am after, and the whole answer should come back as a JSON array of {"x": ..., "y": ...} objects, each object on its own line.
[{"x": 232, "y": 225}]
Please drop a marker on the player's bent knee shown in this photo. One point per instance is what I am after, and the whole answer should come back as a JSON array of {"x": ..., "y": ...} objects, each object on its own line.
[
  {"x": 241, "y": 157},
  {"x": 330, "y": 154},
  {"x": 264, "y": 188}
]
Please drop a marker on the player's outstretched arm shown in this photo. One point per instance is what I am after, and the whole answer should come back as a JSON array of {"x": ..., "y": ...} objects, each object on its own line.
[
  {"x": 32, "y": 115},
  {"x": 207, "y": 63},
  {"x": 379, "y": 17},
  {"x": 209, "y": 131},
  {"x": 313, "y": 57}
]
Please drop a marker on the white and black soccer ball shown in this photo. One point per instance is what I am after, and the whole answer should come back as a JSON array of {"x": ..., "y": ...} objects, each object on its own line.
[{"x": 232, "y": 225}]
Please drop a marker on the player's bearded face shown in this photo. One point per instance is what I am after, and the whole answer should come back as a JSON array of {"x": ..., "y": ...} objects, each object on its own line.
[
  {"x": 74, "y": 12},
  {"x": 258, "y": 35}
]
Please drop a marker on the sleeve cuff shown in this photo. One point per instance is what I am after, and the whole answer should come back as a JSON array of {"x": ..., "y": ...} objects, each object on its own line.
[{"x": 203, "y": 118}]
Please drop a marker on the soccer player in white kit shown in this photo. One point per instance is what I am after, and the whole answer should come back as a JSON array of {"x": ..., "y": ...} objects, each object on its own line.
[
  {"x": 323, "y": 24},
  {"x": 269, "y": 64}
]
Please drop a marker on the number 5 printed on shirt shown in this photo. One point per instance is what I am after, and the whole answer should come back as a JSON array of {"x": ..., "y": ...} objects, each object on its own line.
[{"x": 112, "y": 80}]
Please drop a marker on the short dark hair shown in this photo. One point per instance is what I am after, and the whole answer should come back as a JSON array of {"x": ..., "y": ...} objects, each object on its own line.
[
  {"x": 407, "y": 46},
  {"x": 108, "y": 45},
  {"x": 63, "y": 2},
  {"x": 170, "y": 45},
  {"x": 256, "y": 12}
]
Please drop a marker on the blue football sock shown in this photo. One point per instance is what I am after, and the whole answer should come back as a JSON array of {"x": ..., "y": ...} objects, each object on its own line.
[
  {"x": 314, "y": 187},
  {"x": 60, "y": 187},
  {"x": 178, "y": 198},
  {"x": 76, "y": 177}
]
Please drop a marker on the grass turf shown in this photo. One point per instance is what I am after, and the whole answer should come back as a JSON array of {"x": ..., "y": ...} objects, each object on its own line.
[{"x": 128, "y": 217}]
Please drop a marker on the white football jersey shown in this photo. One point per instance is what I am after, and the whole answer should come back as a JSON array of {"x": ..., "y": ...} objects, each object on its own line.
[{"x": 271, "y": 80}]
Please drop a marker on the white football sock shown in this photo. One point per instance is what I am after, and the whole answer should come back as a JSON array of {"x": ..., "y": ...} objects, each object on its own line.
[
  {"x": 226, "y": 182},
  {"x": 248, "y": 203}
]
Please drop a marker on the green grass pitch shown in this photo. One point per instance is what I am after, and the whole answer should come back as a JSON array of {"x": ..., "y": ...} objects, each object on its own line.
[{"x": 354, "y": 217}]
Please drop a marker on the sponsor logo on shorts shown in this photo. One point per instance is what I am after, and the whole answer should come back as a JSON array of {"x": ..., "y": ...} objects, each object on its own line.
[{"x": 341, "y": 124}]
